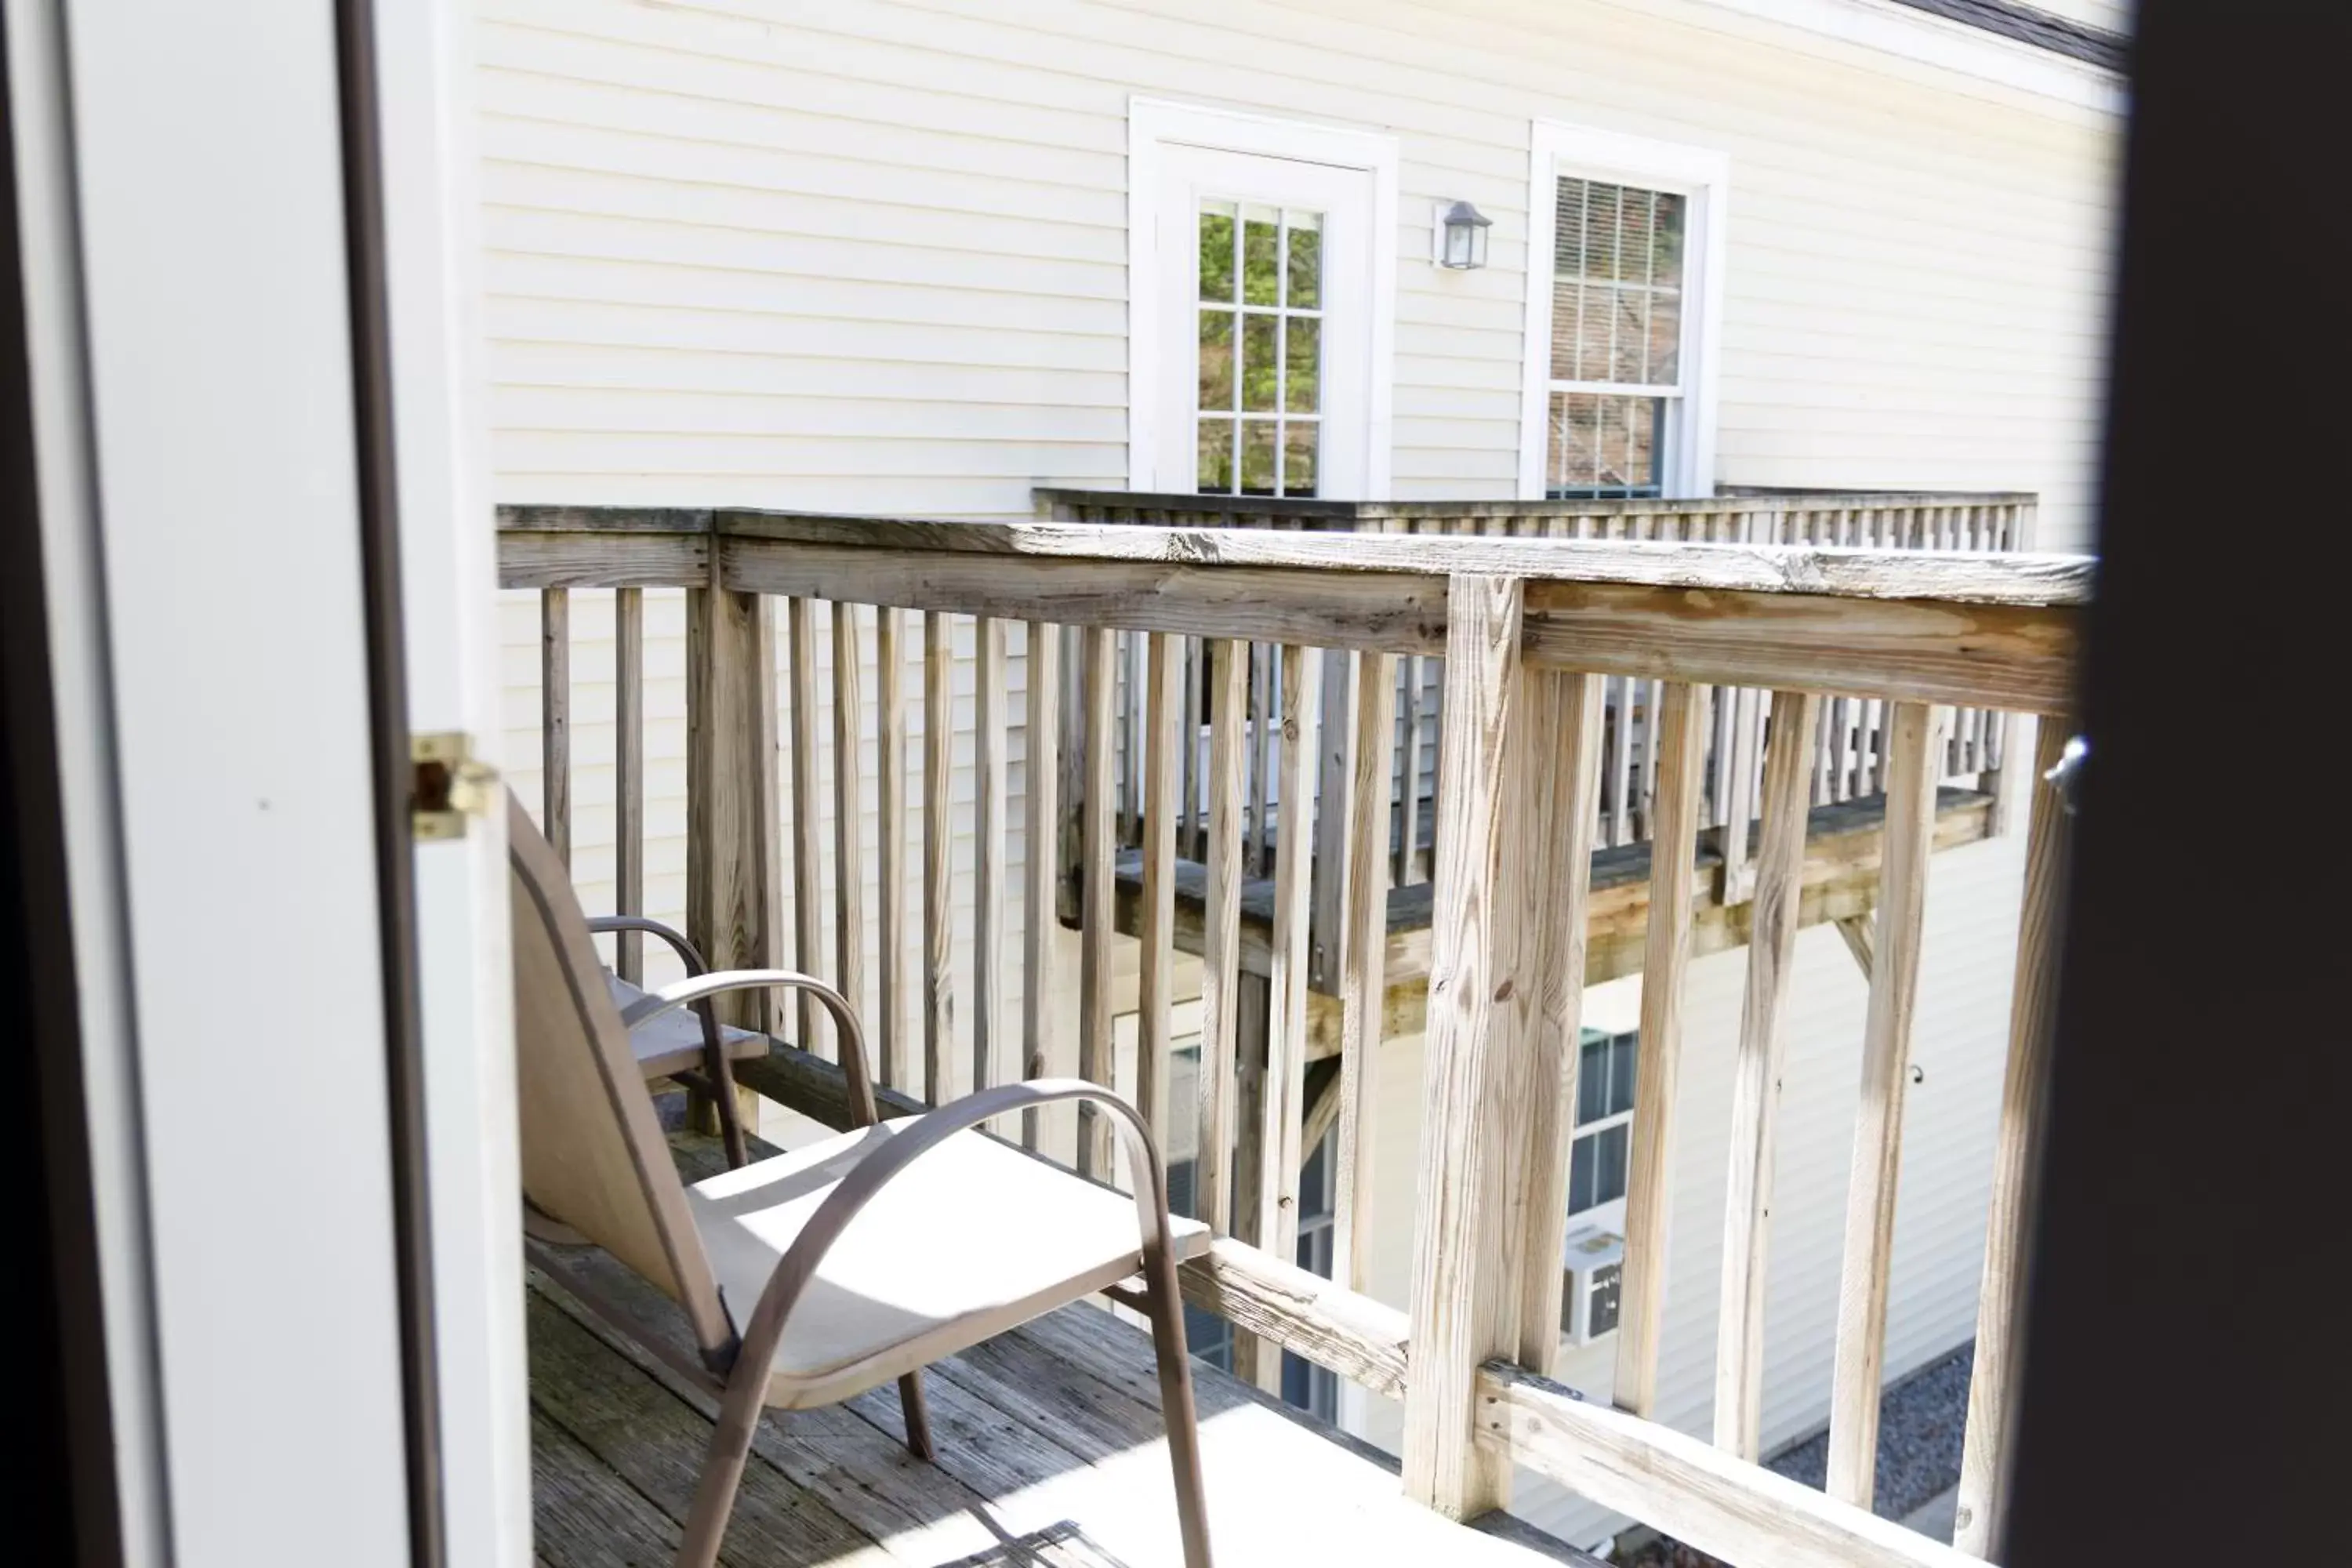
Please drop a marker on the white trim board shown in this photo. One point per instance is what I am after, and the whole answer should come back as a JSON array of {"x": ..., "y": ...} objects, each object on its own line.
[
  {"x": 1701, "y": 173},
  {"x": 1153, "y": 123}
]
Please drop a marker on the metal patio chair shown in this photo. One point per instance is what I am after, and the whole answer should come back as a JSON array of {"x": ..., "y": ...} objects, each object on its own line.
[
  {"x": 690, "y": 1044},
  {"x": 811, "y": 1276}
]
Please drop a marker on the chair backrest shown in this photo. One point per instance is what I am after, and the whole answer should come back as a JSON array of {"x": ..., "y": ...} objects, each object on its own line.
[{"x": 593, "y": 1152}]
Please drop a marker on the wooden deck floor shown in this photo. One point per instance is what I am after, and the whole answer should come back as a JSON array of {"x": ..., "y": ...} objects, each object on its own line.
[{"x": 1051, "y": 1456}]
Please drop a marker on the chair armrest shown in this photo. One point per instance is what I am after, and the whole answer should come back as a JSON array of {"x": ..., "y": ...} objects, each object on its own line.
[
  {"x": 695, "y": 988},
  {"x": 600, "y": 925},
  {"x": 876, "y": 1168}
]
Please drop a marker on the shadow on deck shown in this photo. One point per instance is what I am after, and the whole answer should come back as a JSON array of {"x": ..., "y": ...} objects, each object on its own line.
[{"x": 1051, "y": 1455}]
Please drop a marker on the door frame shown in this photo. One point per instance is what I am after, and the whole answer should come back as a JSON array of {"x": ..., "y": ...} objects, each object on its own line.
[{"x": 1154, "y": 124}]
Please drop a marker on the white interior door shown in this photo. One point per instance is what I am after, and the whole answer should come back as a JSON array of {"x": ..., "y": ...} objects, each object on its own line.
[{"x": 1264, "y": 315}]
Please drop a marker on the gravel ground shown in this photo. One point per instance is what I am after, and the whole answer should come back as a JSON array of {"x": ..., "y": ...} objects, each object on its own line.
[{"x": 1920, "y": 1422}]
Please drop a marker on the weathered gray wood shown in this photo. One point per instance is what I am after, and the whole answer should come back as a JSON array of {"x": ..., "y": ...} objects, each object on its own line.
[
  {"x": 731, "y": 706},
  {"x": 582, "y": 1514},
  {"x": 1362, "y": 808},
  {"x": 1261, "y": 753},
  {"x": 1276, "y": 1302},
  {"x": 604, "y": 561},
  {"x": 1098, "y": 918},
  {"x": 1464, "y": 1305},
  {"x": 938, "y": 850},
  {"x": 848, "y": 814},
  {"x": 1221, "y": 937},
  {"x": 1336, "y": 727},
  {"x": 1683, "y": 1488},
  {"x": 1408, "y": 867},
  {"x": 808, "y": 823},
  {"x": 1681, "y": 728},
  {"x": 1756, "y": 1075},
  {"x": 2008, "y": 579},
  {"x": 1042, "y": 779},
  {"x": 1858, "y": 935},
  {"x": 1560, "y": 734},
  {"x": 629, "y": 775},
  {"x": 555, "y": 720},
  {"x": 1300, "y": 703},
  {"x": 1858, "y": 1368},
  {"x": 2032, "y": 1015},
  {"x": 1256, "y": 1361},
  {"x": 893, "y": 1039},
  {"x": 1189, "y": 840},
  {"x": 1156, "y": 992},
  {"x": 989, "y": 891}
]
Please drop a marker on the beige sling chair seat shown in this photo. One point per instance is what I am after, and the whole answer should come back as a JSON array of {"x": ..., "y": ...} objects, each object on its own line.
[{"x": 813, "y": 1276}]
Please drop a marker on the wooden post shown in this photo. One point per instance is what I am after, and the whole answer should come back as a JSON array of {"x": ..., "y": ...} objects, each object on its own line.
[
  {"x": 629, "y": 775},
  {"x": 1464, "y": 1304},
  {"x": 1560, "y": 728},
  {"x": 988, "y": 887},
  {"x": 1042, "y": 775},
  {"x": 1301, "y": 702},
  {"x": 731, "y": 790},
  {"x": 1221, "y": 937},
  {"x": 1335, "y": 759},
  {"x": 1756, "y": 1075},
  {"x": 1674, "y": 854},
  {"x": 938, "y": 850},
  {"x": 1097, "y": 914},
  {"x": 848, "y": 812},
  {"x": 890, "y": 809},
  {"x": 2032, "y": 1014},
  {"x": 1856, "y": 1371},
  {"x": 1409, "y": 793},
  {"x": 1256, "y": 1360},
  {"x": 1156, "y": 997},
  {"x": 555, "y": 720},
  {"x": 1364, "y": 872},
  {"x": 808, "y": 825}
]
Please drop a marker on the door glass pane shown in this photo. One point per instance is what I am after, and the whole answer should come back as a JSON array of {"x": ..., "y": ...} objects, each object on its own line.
[
  {"x": 1260, "y": 369},
  {"x": 1261, "y": 251},
  {"x": 1216, "y": 457},
  {"x": 1258, "y": 457},
  {"x": 1304, "y": 272},
  {"x": 1298, "y": 458},
  {"x": 1302, "y": 364},
  {"x": 1217, "y": 251},
  {"x": 1260, "y": 342},
  {"x": 1216, "y": 359}
]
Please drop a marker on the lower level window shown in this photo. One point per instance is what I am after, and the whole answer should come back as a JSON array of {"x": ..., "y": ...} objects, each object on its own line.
[{"x": 1604, "y": 1120}]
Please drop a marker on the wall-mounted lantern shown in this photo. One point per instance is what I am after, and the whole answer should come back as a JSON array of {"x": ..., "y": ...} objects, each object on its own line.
[{"x": 1462, "y": 236}]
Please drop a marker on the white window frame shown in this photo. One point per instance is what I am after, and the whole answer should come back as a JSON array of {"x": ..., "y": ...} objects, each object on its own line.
[
  {"x": 1702, "y": 176},
  {"x": 1154, "y": 124}
]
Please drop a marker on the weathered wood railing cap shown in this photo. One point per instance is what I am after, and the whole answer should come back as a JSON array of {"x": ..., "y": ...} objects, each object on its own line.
[{"x": 1319, "y": 512}]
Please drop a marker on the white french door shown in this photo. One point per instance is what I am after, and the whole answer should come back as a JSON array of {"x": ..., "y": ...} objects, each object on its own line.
[{"x": 1263, "y": 316}]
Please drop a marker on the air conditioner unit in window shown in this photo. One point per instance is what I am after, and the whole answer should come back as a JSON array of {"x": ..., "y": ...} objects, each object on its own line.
[{"x": 1588, "y": 1302}]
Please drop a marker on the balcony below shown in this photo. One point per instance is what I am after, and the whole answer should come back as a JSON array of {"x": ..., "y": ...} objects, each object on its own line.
[{"x": 1051, "y": 1455}]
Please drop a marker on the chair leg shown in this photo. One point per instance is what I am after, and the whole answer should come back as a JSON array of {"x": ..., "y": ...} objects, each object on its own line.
[
  {"x": 918, "y": 1417},
  {"x": 722, "y": 1473},
  {"x": 1165, "y": 1307}
]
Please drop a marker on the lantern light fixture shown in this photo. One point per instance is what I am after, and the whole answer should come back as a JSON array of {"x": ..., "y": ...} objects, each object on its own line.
[{"x": 1461, "y": 236}]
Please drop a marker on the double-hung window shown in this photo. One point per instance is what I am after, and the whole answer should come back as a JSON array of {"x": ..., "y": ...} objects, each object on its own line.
[
  {"x": 1622, "y": 270},
  {"x": 1597, "y": 1158}
]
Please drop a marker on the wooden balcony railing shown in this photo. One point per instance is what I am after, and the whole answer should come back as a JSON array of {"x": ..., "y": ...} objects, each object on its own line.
[{"x": 1532, "y": 632}]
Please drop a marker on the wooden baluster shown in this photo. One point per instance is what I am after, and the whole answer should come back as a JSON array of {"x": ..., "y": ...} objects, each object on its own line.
[
  {"x": 2000, "y": 1304},
  {"x": 1337, "y": 727},
  {"x": 1042, "y": 775},
  {"x": 1560, "y": 735},
  {"x": 988, "y": 886},
  {"x": 1370, "y": 742},
  {"x": 938, "y": 856},
  {"x": 1756, "y": 1074},
  {"x": 1188, "y": 813},
  {"x": 848, "y": 812},
  {"x": 808, "y": 823},
  {"x": 1621, "y": 764},
  {"x": 1262, "y": 751},
  {"x": 1878, "y": 1126},
  {"x": 1096, "y": 915},
  {"x": 1646, "y": 803},
  {"x": 892, "y": 1039},
  {"x": 1299, "y": 689},
  {"x": 629, "y": 775},
  {"x": 731, "y": 791},
  {"x": 1131, "y": 716},
  {"x": 1465, "y": 1300},
  {"x": 1073, "y": 754},
  {"x": 1409, "y": 793},
  {"x": 1674, "y": 852},
  {"x": 1156, "y": 985},
  {"x": 1222, "y": 935},
  {"x": 555, "y": 720}
]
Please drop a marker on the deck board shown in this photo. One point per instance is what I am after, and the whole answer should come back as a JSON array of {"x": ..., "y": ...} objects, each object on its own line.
[{"x": 1051, "y": 1456}]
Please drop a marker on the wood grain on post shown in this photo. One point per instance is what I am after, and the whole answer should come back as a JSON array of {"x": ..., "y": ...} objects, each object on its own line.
[
  {"x": 1560, "y": 728},
  {"x": 1155, "y": 990},
  {"x": 1756, "y": 1073},
  {"x": 1464, "y": 1303},
  {"x": 1407, "y": 866},
  {"x": 1098, "y": 915},
  {"x": 629, "y": 775},
  {"x": 1299, "y": 706},
  {"x": 1859, "y": 1364},
  {"x": 848, "y": 814},
  {"x": 1042, "y": 812},
  {"x": 939, "y": 851},
  {"x": 808, "y": 825},
  {"x": 891, "y": 1035},
  {"x": 988, "y": 889},
  {"x": 2025, "y": 1085},
  {"x": 1334, "y": 759},
  {"x": 731, "y": 788},
  {"x": 555, "y": 720},
  {"x": 1221, "y": 936},
  {"x": 1674, "y": 853},
  {"x": 1364, "y": 870}
]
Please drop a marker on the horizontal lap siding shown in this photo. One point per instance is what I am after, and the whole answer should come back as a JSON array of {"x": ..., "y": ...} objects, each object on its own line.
[{"x": 871, "y": 257}]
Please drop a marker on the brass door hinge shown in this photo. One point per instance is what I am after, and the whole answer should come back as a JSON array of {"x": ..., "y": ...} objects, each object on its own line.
[{"x": 449, "y": 786}]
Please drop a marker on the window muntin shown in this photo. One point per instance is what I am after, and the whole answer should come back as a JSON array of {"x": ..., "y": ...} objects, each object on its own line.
[
  {"x": 1616, "y": 374},
  {"x": 1259, "y": 404}
]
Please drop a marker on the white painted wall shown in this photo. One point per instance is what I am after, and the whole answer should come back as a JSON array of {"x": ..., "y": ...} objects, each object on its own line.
[{"x": 869, "y": 257}]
